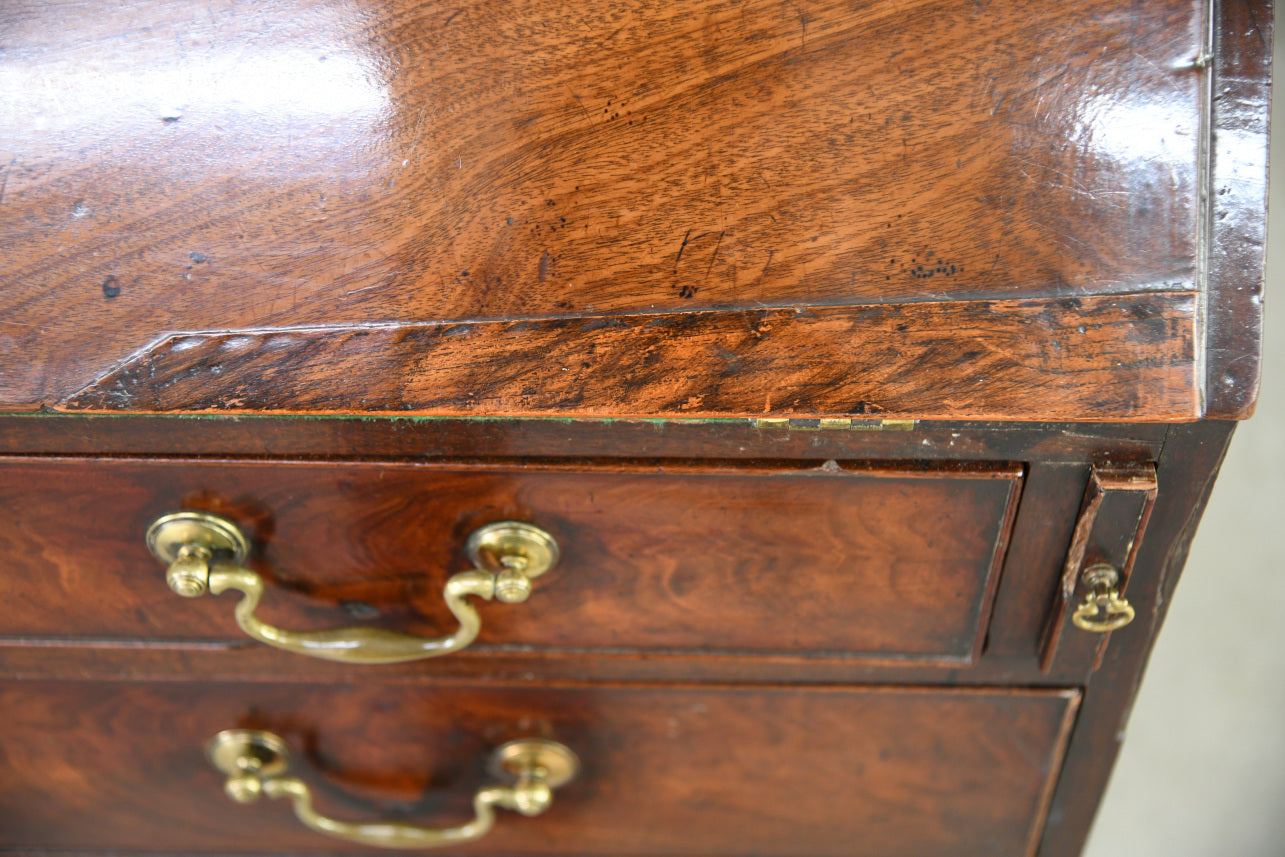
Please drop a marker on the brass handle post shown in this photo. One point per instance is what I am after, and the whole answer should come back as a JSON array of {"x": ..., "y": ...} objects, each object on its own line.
[
  {"x": 256, "y": 763},
  {"x": 204, "y": 553},
  {"x": 1103, "y": 608}
]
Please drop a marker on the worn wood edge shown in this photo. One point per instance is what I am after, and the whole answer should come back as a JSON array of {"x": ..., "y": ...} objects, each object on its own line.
[
  {"x": 1138, "y": 478},
  {"x": 1055, "y": 769},
  {"x": 1143, "y": 481},
  {"x": 35, "y": 659},
  {"x": 1068, "y": 694},
  {"x": 999, "y": 558},
  {"x": 1119, "y": 358},
  {"x": 201, "y": 436},
  {"x": 642, "y": 467},
  {"x": 748, "y": 656},
  {"x": 1056, "y": 621},
  {"x": 1232, "y": 222},
  {"x": 1193, "y": 454}
]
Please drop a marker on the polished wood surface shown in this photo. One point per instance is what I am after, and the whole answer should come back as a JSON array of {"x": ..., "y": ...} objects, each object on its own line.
[
  {"x": 884, "y": 772},
  {"x": 867, "y": 561},
  {"x": 414, "y": 163}
]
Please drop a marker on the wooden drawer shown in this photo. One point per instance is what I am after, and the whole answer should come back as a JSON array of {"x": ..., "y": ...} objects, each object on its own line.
[
  {"x": 675, "y": 770},
  {"x": 880, "y": 562}
]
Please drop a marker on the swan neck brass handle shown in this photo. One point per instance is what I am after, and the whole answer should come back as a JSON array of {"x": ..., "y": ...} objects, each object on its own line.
[
  {"x": 1103, "y": 608},
  {"x": 204, "y": 552},
  {"x": 256, "y": 763}
]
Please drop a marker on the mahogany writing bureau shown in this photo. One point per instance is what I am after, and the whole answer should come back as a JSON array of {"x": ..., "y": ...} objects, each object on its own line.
[{"x": 613, "y": 428}]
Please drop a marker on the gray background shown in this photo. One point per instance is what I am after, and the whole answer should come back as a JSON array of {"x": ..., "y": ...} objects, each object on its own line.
[{"x": 1202, "y": 773}]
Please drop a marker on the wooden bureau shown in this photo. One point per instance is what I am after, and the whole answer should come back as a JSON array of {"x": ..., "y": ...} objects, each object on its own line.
[{"x": 864, "y": 366}]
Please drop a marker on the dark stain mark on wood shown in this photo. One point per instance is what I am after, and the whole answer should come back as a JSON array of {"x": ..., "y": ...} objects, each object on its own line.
[
  {"x": 681, "y": 248},
  {"x": 941, "y": 268}
]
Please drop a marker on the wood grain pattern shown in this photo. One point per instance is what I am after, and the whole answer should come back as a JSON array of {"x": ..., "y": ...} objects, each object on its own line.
[
  {"x": 892, "y": 772},
  {"x": 1116, "y": 358},
  {"x": 415, "y": 162},
  {"x": 897, "y": 563}
]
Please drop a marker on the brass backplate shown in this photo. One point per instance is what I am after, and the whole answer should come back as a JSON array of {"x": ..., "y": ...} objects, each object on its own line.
[
  {"x": 555, "y": 761},
  {"x": 222, "y": 538},
  {"x": 238, "y": 751},
  {"x": 490, "y": 544}
]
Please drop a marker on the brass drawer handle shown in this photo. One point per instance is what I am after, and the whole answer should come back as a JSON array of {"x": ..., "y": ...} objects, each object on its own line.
[
  {"x": 204, "y": 552},
  {"x": 256, "y": 763},
  {"x": 1103, "y": 608}
]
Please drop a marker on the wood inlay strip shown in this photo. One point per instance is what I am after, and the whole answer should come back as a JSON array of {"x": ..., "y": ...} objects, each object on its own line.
[{"x": 1123, "y": 358}]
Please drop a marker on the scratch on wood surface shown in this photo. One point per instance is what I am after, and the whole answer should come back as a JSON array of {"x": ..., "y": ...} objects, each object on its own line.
[
  {"x": 714, "y": 255},
  {"x": 1253, "y": 22},
  {"x": 763, "y": 273}
]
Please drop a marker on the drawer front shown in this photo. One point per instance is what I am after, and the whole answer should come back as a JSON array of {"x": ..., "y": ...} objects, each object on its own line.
[
  {"x": 895, "y": 563},
  {"x": 683, "y": 771}
]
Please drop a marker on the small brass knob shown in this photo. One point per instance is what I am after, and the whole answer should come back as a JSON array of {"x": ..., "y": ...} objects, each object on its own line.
[
  {"x": 512, "y": 585},
  {"x": 243, "y": 788},
  {"x": 1103, "y": 608},
  {"x": 189, "y": 574},
  {"x": 532, "y": 795}
]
